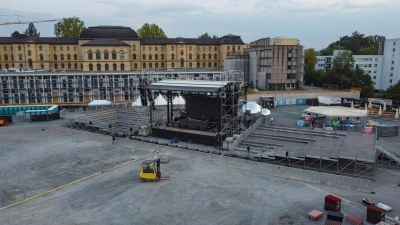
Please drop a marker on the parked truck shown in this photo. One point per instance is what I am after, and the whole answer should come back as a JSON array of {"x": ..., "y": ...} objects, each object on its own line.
[{"x": 329, "y": 101}]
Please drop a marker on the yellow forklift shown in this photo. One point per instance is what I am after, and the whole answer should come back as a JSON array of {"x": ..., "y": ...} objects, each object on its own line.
[{"x": 150, "y": 170}]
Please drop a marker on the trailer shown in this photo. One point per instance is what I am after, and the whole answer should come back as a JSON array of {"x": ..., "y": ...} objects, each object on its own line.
[{"x": 329, "y": 100}]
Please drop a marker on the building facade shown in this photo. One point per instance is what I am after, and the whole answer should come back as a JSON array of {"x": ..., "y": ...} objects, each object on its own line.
[
  {"x": 383, "y": 68},
  {"x": 115, "y": 48},
  {"x": 274, "y": 63}
]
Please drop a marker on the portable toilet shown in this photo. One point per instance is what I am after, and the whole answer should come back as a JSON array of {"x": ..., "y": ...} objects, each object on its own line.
[
  {"x": 5, "y": 111},
  {"x": 1, "y": 110}
]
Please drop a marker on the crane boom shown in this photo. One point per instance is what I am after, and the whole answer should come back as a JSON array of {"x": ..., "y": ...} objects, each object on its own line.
[{"x": 26, "y": 22}]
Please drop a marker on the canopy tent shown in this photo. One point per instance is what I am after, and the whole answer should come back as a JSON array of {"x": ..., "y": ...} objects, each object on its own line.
[
  {"x": 336, "y": 111},
  {"x": 178, "y": 100},
  {"x": 138, "y": 102},
  {"x": 160, "y": 100},
  {"x": 99, "y": 102}
]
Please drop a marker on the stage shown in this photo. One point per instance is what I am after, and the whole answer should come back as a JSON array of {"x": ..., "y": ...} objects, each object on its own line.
[{"x": 196, "y": 136}]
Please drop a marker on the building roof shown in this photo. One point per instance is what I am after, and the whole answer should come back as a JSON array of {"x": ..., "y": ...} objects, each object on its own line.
[
  {"x": 118, "y": 32},
  {"x": 227, "y": 39},
  {"x": 187, "y": 85},
  {"x": 37, "y": 40},
  {"x": 105, "y": 42}
]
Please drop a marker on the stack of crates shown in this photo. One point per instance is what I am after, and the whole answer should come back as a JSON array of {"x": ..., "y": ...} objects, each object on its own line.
[
  {"x": 332, "y": 203},
  {"x": 375, "y": 214},
  {"x": 334, "y": 218}
]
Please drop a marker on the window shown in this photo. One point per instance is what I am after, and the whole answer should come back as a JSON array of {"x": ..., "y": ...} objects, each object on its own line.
[
  {"x": 198, "y": 65},
  {"x": 238, "y": 47},
  {"x": 172, "y": 56},
  {"x": 209, "y": 48},
  {"x": 135, "y": 66},
  {"x": 375, "y": 65},
  {"x": 56, "y": 66},
  {"x": 5, "y": 48},
  {"x": 228, "y": 48},
  {"x": 204, "y": 56},
  {"x": 394, "y": 49},
  {"x": 67, "y": 48},
  {"x": 144, "y": 56},
  {"x": 149, "y": 48},
  {"x": 182, "y": 52},
  {"x": 150, "y": 65},
  {"x": 198, "y": 48},
  {"x": 61, "y": 48},
  {"x": 162, "y": 48},
  {"x": 190, "y": 48},
  {"x": 121, "y": 54},
  {"x": 392, "y": 62},
  {"x": 114, "y": 54},
  {"x": 190, "y": 65},
  {"x": 5, "y": 56},
  {"x": 68, "y": 57},
  {"x": 215, "y": 56},
  {"x": 69, "y": 66},
  {"x": 204, "y": 48},
  {"x": 233, "y": 48},
  {"x": 41, "y": 56},
  {"x": 391, "y": 74},
  {"x": 122, "y": 67},
  {"x": 144, "y": 48},
  {"x": 98, "y": 54},
  {"x": 19, "y": 47},
  {"x": 156, "y": 65},
  {"x": 62, "y": 66},
  {"x": 291, "y": 76},
  {"x": 62, "y": 56},
  {"x": 374, "y": 71},
  {"x": 390, "y": 81},
  {"x": 162, "y": 65},
  {"x": 162, "y": 56},
  {"x": 369, "y": 65},
  {"x": 114, "y": 67},
  {"x": 172, "y": 48},
  {"x": 156, "y": 48},
  {"x": 150, "y": 57},
  {"x": 20, "y": 56},
  {"x": 74, "y": 48},
  {"x": 106, "y": 67},
  {"x": 173, "y": 65},
  {"x": 134, "y": 47},
  {"x": 29, "y": 52},
  {"x": 54, "y": 48},
  {"x": 90, "y": 67},
  {"x": 42, "y": 66},
  {"x": 215, "y": 65},
  {"x": 190, "y": 56},
  {"x": 391, "y": 68},
  {"x": 76, "y": 66},
  {"x": 204, "y": 65},
  {"x": 209, "y": 65},
  {"x": 98, "y": 67},
  {"x": 90, "y": 56},
  {"x": 209, "y": 56},
  {"x": 198, "y": 56},
  {"x": 105, "y": 54},
  {"x": 394, "y": 43},
  {"x": 156, "y": 56},
  {"x": 144, "y": 65}
]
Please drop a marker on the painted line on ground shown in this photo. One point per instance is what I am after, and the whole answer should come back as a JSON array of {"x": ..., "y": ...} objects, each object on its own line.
[{"x": 77, "y": 181}]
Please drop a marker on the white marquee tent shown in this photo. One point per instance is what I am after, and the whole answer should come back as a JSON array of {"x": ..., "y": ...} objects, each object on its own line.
[
  {"x": 178, "y": 101},
  {"x": 160, "y": 100},
  {"x": 138, "y": 102},
  {"x": 99, "y": 102},
  {"x": 337, "y": 111}
]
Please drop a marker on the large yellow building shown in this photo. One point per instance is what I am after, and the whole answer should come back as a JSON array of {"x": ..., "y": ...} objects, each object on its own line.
[{"x": 115, "y": 48}]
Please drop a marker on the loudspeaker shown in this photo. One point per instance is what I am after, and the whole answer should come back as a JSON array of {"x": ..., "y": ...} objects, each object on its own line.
[
  {"x": 130, "y": 129},
  {"x": 109, "y": 126}
]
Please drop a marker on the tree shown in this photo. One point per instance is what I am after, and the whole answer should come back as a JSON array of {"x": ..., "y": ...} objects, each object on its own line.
[
  {"x": 15, "y": 34},
  {"x": 31, "y": 31},
  {"x": 314, "y": 77},
  {"x": 207, "y": 36},
  {"x": 70, "y": 27},
  {"x": 310, "y": 59},
  {"x": 393, "y": 93},
  {"x": 151, "y": 31},
  {"x": 346, "y": 76}
]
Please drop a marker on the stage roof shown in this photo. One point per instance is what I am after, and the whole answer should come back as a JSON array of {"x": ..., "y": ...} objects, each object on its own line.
[
  {"x": 187, "y": 85},
  {"x": 336, "y": 111}
]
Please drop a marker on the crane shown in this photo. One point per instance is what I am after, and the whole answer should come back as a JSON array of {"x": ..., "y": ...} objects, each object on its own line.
[{"x": 25, "y": 22}]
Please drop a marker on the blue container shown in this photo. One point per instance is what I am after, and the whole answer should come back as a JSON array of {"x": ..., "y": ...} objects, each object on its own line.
[
  {"x": 29, "y": 107},
  {"x": 20, "y": 109},
  {"x": 1, "y": 110},
  {"x": 15, "y": 110}
]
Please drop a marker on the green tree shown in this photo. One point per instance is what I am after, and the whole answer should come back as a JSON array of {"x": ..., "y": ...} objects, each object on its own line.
[
  {"x": 207, "y": 36},
  {"x": 310, "y": 59},
  {"x": 372, "y": 50},
  {"x": 315, "y": 78},
  {"x": 346, "y": 76},
  {"x": 31, "y": 31},
  {"x": 151, "y": 31},
  {"x": 329, "y": 50},
  {"x": 393, "y": 93},
  {"x": 15, "y": 34},
  {"x": 71, "y": 27}
]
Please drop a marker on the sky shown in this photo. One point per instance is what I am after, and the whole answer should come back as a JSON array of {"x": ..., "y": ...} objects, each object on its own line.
[{"x": 316, "y": 23}]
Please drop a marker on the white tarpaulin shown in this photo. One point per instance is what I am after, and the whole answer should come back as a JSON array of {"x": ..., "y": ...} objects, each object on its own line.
[
  {"x": 336, "y": 111},
  {"x": 138, "y": 102},
  {"x": 99, "y": 102},
  {"x": 160, "y": 100},
  {"x": 178, "y": 101}
]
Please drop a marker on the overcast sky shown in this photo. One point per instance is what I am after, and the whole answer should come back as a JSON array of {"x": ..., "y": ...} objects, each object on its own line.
[{"x": 316, "y": 23}]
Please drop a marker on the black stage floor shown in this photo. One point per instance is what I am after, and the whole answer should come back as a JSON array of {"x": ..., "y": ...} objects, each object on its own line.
[{"x": 196, "y": 136}]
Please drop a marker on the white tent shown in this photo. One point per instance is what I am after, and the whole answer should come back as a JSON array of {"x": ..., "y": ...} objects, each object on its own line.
[
  {"x": 336, "y": 111},
  {"x": 99, "y": 102},
  {"x": 160, "y": 100},
  {"x": 366, "y": 107},
  {"x": 396, "y": 116},
  {"x": 138, "y": 102},
  {"x": 370, "y": 104},
  {"x": 384, "y": 106},
  {"x": 178, "y": 100},
  {"x": 352, "y": 106},
  {"x": 380, "y": 111}
]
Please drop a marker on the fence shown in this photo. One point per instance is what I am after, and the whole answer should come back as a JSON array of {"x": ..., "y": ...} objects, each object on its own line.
[
  {"x": 245, "y": 134},
  {"x": 270, "y": 169}
]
